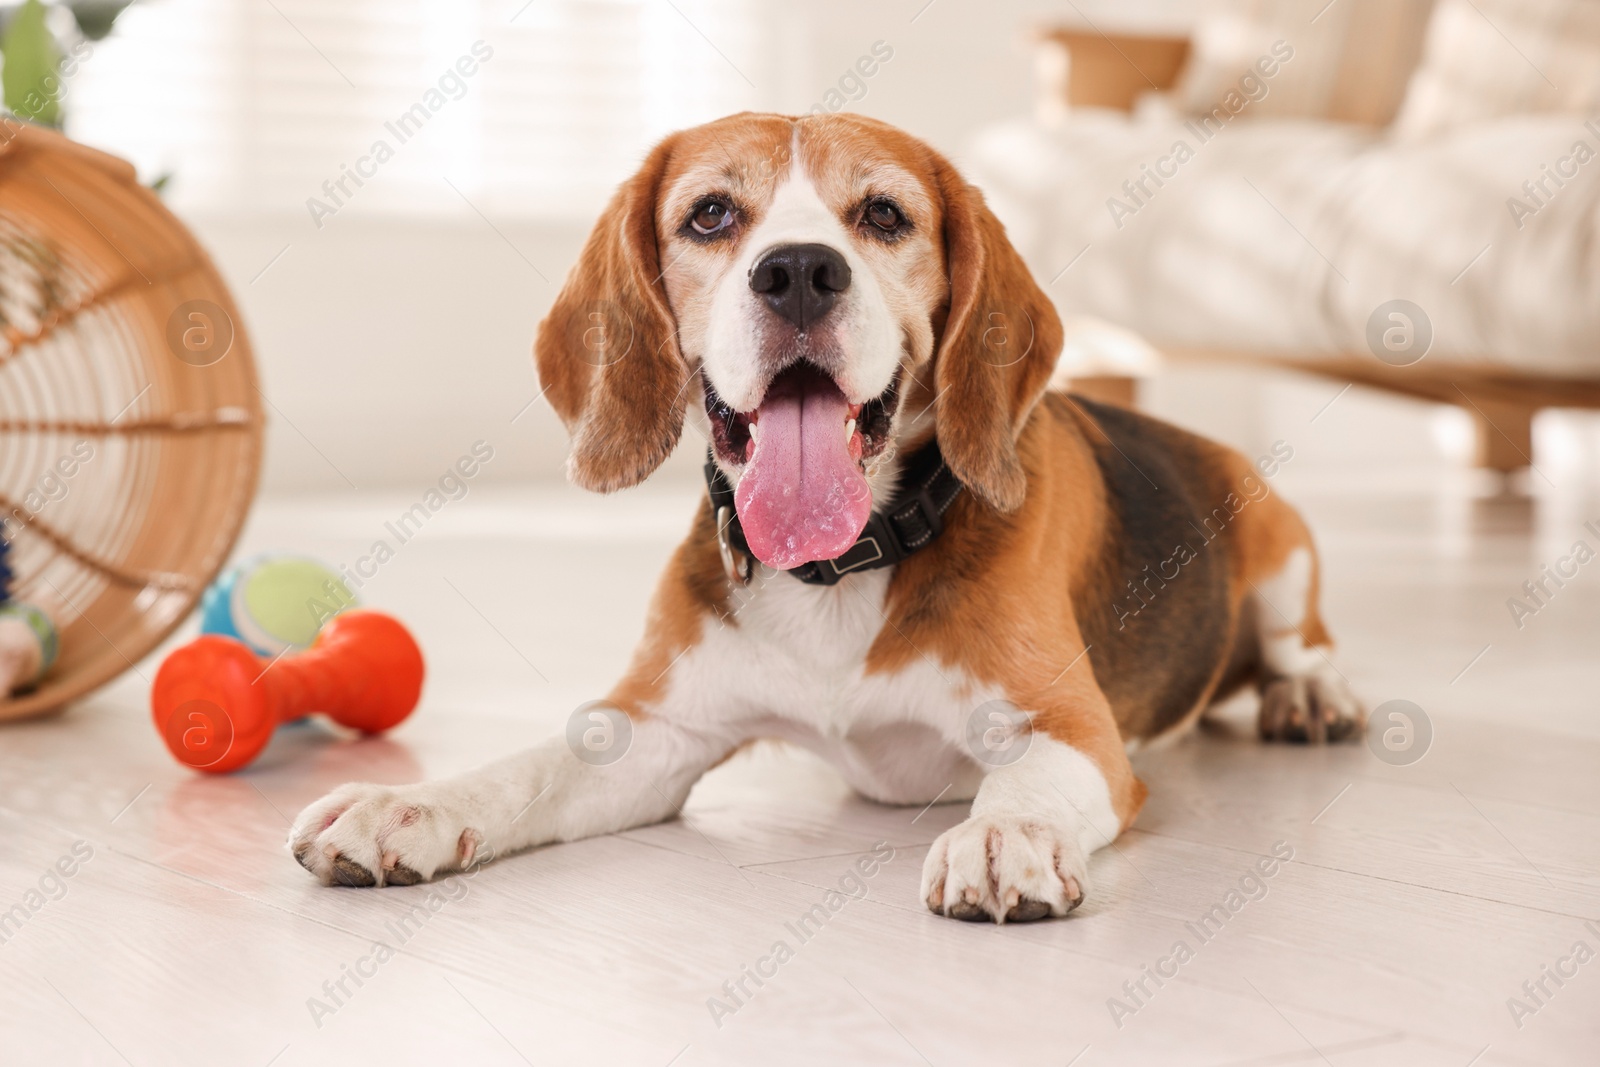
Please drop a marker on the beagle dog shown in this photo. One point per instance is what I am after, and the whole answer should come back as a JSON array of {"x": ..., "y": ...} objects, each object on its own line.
[{"x": 914, "y": 558}]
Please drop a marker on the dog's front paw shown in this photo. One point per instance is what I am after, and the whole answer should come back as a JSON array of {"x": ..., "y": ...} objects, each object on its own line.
[
  {"x": 1310, "y": 708},
  {"x": 1005, "y": 868},
  {"x": 374, "y": 835}
]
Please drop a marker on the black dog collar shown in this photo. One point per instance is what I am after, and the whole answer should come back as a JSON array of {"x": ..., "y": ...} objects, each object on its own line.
[{"x": 927, "y": 489}]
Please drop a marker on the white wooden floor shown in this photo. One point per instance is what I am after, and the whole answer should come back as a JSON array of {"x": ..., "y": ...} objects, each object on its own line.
[{"x": 1418, "y": 900}]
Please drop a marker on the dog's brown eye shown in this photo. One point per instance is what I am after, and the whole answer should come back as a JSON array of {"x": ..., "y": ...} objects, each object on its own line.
[
  {"x": 711, "y": 216},
  {"x": 885, "y": 216}
]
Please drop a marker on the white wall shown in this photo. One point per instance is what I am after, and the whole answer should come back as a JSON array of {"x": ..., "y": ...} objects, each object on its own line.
[{"x": 387, "y": 347}]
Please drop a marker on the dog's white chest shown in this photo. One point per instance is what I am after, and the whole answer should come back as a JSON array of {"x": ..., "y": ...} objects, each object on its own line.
[{"x": 792, "y": 663}]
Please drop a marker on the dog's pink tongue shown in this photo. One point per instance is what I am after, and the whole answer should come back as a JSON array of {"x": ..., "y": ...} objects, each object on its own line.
[{"x": 802, "y": 497}]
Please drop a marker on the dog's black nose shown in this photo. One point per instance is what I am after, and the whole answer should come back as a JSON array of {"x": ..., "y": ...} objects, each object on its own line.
[{"x": 801, "y": 282}]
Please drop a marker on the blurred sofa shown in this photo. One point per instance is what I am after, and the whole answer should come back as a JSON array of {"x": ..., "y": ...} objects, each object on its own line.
[{"x": 1396, "y": 193}]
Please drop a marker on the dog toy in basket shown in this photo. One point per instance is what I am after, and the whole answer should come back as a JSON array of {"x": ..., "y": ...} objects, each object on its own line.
[
  {"x": 216, "y": 703},
  {"x": 27, "y": 636}
]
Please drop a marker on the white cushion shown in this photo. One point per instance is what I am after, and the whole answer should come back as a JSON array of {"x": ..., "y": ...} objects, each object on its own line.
[
  {"x": 1284, "y": 237},
  {"x": 1489, "y": 58},
  {"x": 1351, "y": 64}
]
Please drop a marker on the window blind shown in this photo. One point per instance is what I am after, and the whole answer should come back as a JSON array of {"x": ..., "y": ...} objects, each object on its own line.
[{"x": 532, "y": 109}]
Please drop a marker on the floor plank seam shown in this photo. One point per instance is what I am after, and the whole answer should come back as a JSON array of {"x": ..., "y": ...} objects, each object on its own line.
[{"x": 1382, "y": 878}]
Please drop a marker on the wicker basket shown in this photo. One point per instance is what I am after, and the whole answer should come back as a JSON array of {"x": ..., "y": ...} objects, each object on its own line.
[{"x": 130, "y": 421}]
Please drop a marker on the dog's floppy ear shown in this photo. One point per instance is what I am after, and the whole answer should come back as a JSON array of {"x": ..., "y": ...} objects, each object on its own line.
[
  {"x": 608, "y": 351},
  {"x": 1000, "y": 344}
]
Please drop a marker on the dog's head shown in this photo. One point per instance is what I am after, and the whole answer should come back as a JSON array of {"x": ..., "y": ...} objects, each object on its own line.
[{"x": 836, "y": 285}]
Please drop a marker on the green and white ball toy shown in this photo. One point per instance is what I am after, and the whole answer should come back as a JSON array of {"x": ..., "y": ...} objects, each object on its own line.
[{"x": 274, "y": 603}]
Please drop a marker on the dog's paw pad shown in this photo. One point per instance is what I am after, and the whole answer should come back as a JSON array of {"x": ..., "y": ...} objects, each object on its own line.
[
  {"x": 1026, "y": 911},
  {"x": 401, "y": 876},
  {"x": 347, "y": 872}
]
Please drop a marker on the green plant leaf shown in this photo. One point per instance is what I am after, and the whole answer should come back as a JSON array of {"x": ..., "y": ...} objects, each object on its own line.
[{"x": 30, "y": 75}]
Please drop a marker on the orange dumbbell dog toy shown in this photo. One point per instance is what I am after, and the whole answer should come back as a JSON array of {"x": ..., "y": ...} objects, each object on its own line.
[{"x": 216, "y": 703}]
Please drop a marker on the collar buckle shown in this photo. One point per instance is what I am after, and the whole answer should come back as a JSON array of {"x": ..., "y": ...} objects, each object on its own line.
[{"x": 735, "y": 564}]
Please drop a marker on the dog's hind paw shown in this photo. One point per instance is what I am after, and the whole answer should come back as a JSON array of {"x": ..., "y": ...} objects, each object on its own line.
[{"x": 1311, "y": 708}]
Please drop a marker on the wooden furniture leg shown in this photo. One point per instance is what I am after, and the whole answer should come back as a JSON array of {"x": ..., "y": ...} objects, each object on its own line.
[{"x": 1504, "y": 434}]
